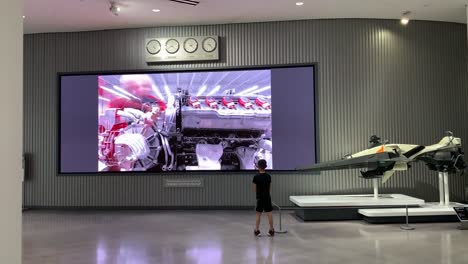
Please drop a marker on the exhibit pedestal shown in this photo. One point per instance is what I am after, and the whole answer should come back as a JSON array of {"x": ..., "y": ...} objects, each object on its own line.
[
  {"x": 429, "y": 212},
  {"x": 346, "y": 207}
]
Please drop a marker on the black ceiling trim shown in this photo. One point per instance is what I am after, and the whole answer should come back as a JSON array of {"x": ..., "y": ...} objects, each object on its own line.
[{"x": 187, "y": 2}]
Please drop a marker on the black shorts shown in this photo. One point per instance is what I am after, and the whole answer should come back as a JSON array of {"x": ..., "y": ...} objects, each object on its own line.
[{"x": 264, "y": 205}]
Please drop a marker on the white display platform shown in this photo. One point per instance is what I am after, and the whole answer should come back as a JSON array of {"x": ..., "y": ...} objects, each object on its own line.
[
  {"x": 429, "y": 209},
  {"x": 384, "y": 200}
]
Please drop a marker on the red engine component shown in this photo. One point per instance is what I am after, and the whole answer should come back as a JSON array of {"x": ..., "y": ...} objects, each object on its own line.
[
  {"x": 211, "y": 102},
  {"x": 228, "y": 102},
  {"x": 193, "y": 101},
  {"x": 108, "y": 147},
  {"x": 245, "y": 102},
  {"x": 263, "y": 102}
]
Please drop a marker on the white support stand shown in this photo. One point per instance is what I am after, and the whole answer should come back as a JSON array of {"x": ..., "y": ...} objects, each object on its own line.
[
  {"x": 376, "y": 187},
  {"x": 446, "y": 189},
  {"x": 444, "y": 193}
]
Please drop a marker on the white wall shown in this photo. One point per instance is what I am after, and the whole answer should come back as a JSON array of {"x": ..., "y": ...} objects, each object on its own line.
[{"x": 11, "y": 129}]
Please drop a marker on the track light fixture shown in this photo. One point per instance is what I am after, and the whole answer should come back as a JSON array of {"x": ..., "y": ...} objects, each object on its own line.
[
  {"x": 405, "y": 18},
  {"x": 114, "y": 8}
]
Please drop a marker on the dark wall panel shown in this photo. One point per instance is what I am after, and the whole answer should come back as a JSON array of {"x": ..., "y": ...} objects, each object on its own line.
[{"x": 407, "y": 84}]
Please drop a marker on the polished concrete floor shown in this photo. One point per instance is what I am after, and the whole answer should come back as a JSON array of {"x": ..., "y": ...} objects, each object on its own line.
[{"x": 140, "y": 237}]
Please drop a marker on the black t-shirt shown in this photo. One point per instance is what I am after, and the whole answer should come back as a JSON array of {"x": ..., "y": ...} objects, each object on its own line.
[{"x": 262, "y": 180}]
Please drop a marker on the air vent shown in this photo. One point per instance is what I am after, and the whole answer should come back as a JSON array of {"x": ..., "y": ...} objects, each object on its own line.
[{"x": 187, "y": 2}]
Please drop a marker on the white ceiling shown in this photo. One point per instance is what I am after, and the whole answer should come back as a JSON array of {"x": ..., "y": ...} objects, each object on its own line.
[{"x": 84, "y": 15}]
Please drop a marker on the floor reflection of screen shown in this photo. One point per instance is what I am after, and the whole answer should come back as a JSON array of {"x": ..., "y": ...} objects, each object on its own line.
[{"x": 184, "y": 121}]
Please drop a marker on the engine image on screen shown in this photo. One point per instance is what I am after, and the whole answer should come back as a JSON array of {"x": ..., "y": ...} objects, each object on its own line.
[
  {"x": 199, "y": 120},
  {"x": 220, "y": 120}
]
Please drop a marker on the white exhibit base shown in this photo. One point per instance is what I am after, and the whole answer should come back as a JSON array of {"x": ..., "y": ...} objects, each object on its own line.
[
  {"x": 384, "y": 200},
  {"x": 428, "y": 209}
]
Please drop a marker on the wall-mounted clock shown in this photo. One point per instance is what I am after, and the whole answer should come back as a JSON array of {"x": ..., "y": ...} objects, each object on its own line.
[
  {"x": 190, "y": 45},
  {"x": 190, "y": 48},
  {"x": 153, "y": 47},
  {"x": 209, "y": 44},
  {"x": 172, "y": 46}
]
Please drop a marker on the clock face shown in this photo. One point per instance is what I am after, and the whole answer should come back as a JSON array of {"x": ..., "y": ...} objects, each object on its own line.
[
  {"x": 209, "y": 44},
  {"x": 153, "y": 47},
  {"x": 172, "y": 46},
  {"x": 190, "y": 45}
]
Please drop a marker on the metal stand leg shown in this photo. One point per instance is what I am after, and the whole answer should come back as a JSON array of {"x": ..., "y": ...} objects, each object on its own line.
[
  {"x": 376, "y": 187},
  {"x": 407, "y": 226},
  {"x": 280, "y": 231},
  {"x": 441, "y": 188},
  {"x": 446, "y": 189}
]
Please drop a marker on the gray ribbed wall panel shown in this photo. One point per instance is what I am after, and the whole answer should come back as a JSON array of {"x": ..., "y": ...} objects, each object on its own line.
[{"x": 408, "y": 84}]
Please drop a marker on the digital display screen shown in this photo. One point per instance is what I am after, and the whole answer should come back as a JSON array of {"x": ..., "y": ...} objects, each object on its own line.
[{"x": 220, "y": 120}]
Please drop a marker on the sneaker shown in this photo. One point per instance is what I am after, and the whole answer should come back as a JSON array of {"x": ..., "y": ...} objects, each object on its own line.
[
  {"x": 256, "y": 232},
  {"x": 271, "y": 232}
]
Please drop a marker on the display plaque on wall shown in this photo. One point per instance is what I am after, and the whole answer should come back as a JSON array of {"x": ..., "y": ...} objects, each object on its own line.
[
  {"x": 183, "y": 183},
  {"x": 199, "y": 48}
]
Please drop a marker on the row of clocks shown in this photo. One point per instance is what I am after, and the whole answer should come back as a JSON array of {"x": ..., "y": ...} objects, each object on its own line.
[
  {"x": 190, "y": 45},
  {"x": 182, "y": 49}
]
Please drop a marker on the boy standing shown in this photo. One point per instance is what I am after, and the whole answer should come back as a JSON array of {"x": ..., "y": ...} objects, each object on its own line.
[{"x": 262, "y": 187}]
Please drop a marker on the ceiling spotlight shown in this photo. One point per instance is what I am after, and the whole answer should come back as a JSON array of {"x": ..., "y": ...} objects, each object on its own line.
[
  {"x": 405, "y": 18},
  {"x": 114, "y": 8},
  {"x": 299, "y": 3},
  {"x": 24, "y": 17},
  {"x": 156, "y": 10}
]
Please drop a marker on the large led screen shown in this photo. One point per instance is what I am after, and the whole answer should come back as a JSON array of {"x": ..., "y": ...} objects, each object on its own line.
[{"x": 187, "y": 121}]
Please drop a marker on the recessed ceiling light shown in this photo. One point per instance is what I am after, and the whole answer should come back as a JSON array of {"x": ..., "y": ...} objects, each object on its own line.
[
  {"x": 299, "y": 3},
  {"x": 24, "y": 17},
  {"x": 114, "y": 8},
  {"x": 156, "y": 10},
  {"x": 405, "y": 18}
]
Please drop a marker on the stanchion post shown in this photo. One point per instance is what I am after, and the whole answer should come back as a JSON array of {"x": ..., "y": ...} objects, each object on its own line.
[
  {"x": 407, "y": 226},
  {"x": 280, "y": 231}
]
